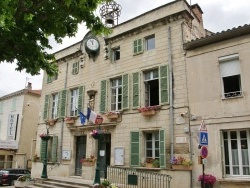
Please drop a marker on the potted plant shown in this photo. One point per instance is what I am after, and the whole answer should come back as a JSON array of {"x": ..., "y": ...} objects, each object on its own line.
[
  {"x": 148, "y": 111},
  {"x": 156, "y": 163},
  {"x": 180, "y": 163},
  {"x": 51, "y": 122},
  {"x": 113, "y": 115},
  {"x": 88, "y": 161},
  {"x": 96, "y": 133},
  {"x": 207, "y": 180},
  {"x": 44, "y": 136},
  {"x": 105, "y": 183},
  {"x": 69, "y": 120}
]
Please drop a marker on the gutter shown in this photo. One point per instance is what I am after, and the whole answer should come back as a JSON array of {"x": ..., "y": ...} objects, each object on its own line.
[{"x": 171, "y": 108}]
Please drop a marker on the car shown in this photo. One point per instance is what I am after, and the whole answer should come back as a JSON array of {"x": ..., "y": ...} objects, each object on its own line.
[{"x": 9, "y": 175}]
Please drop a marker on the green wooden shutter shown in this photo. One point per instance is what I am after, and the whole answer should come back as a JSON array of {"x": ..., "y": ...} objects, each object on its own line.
[
  {"x": 54, "y": 149},
  {"x": 136, "y": 89},
  {"x": 42, "y": 150},
  {"x": 63, "y": 97},
  {"x": 164, "y": 84},
  {"x": 135, "y": 46},
  {"x": 80, "y": 98},
  {"x": 125, "y": 85},
  {"x": 58, "y": 105},
  {"x": 139, "y": 43},
  {"x": 103, "y": 96},
  {"x": 46, "y": 107},
  {"x": 135, "y": 148},
  {"x": 162, "y": 148}
]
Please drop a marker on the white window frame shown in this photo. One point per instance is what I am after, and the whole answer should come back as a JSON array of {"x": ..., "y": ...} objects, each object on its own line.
[
  {"x": 54, "y": 107},
  {"x": 74, "y": 95},
  {"x": 75, "y": 68},
  {"x": 230, "y": 66},
  {"x": 148, "y": 39},
  {"x": 237, "y": 155},
  {"x": 153, "y": 142},
  {"x": 115, "y": 57},
  {"x": 115, "y": 88},
  {"x": 151, "y": 77}
]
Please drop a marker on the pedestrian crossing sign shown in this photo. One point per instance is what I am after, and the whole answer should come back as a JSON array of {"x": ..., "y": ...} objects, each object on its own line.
[{"x": 203, "y": 138}]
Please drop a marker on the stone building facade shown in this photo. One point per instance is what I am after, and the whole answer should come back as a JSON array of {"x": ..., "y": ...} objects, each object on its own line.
[
  {"x": 140, "y": 65},
  {"x": 19, "y": 113},
  {"x": 218, "y": 91}
]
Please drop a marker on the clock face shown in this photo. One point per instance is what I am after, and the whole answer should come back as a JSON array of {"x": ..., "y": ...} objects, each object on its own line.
[{"x": 92, "y": 44}]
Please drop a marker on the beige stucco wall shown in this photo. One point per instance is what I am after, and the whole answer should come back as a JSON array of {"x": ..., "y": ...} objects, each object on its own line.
[
  {"x": 95, "y": 70},
  {"x": 206, "y": 101}
]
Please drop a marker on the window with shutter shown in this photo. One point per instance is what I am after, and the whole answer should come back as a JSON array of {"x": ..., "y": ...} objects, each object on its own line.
[
  {"x": 75, "y": 68},
  {"x": 116, "y": 94},
  {"x": 46, "y": 107},
  {"x": 231, "y": 76},
  {"x": 42, "y": 150},
  {"x": 62, "y": 101},
  {"x": 136, "y": 90},
  {"x": 54, "y": 149},
  {"x": 164, "y": 84},
  {"x": 80, "y": 98},
  {"x": 151, "y": 83},
  {"x": 162, "y": 133},
  {"x": 134, "y": 148},
  {"x": 54, "y": 109},
  {"x": 138, "y": 46},
  {"x": 103, "y": 96},
  {"x": 125, "y": 92},
  {"x": 74, "y": 96}
]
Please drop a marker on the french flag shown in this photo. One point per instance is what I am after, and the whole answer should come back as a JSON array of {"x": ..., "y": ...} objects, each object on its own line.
[{"x": 91, "y": 115}]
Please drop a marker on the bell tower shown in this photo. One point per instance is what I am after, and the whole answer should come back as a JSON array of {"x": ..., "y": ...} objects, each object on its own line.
[{"x": 110, "y": 12}]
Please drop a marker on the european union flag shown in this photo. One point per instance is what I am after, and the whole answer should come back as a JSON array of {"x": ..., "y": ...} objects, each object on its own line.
[{"x": 82, "y": 118}]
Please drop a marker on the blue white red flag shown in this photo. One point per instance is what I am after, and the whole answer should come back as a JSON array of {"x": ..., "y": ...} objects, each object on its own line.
[{"x": 91, "y": 115}]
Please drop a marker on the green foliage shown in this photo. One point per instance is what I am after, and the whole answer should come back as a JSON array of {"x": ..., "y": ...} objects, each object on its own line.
[{"x": 25, "y": 26}]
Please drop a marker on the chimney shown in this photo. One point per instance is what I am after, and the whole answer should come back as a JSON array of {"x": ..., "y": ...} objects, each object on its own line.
[
  {"x": 29, "y": 86},
  {"x": 198, "y": 12}
]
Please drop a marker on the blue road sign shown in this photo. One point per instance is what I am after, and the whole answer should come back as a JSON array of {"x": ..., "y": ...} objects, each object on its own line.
[{"x": 203, "y": 138}]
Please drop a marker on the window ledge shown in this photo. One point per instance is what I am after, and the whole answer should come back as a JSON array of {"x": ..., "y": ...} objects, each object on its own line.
[{"x": 234, "y": 180}]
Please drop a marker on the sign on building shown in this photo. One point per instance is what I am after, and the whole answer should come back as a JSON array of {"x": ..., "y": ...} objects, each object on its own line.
[
  {"x": 8, "y": 144},
  {"x": 12, "y": 126}
]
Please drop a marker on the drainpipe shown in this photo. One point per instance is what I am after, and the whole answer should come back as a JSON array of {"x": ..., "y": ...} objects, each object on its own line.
[
  {"x": 171, "y": 110},
  {"x": 62, "y": 123}
]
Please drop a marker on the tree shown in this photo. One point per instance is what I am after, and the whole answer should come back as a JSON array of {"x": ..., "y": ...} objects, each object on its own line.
[{"x": 25, "y": 26}]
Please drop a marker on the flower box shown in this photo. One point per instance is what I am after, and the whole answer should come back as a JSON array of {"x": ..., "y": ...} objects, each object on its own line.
[
  {"x": 45, "y": 137},
  {"x": 71, "y": 121},
  {"x": 149, "y": 165},
  {"x": 112, "y": 116},
  {"x": 148, "y": 113},
  {"x": 88, "y": 163},
  {"x": 181, "y": 167},
  {"x": 51, "y": 122}
]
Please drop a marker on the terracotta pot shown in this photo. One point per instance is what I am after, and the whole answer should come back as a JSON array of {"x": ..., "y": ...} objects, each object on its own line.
[
  {"x": 70, "y": 121},
  {"x": 149, "y": 165},
  {"x": 112, "y": 116},
  {"x": 88, "y": 163},
  {"x": 148, "y": 113}
]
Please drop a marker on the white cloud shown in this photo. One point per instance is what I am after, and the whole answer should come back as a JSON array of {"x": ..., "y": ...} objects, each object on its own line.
[{"x": 218, "y": 15}]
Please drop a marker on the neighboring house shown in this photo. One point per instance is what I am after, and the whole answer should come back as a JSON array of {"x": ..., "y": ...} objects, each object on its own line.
[
  {"x": 19, "y": 113},
  {"x": 219, "y": 93},
  {"x": 140, "y": 64}
]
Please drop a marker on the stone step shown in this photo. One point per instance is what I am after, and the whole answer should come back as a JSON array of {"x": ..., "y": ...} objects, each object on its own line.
[{"x": 56, "y": 183}]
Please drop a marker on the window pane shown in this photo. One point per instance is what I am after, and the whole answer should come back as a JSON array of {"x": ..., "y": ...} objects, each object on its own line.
[
  {"x": 150, "y": 43},
  {"x": 233, "y": 134}
]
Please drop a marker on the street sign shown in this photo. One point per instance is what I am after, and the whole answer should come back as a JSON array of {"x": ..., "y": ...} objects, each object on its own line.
[
  {"x": 204, "y": 161},
  {"x": 203, "y": 138},
  {"x": 204, "y": 152},
  {"x": 203, "y": 126}
]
